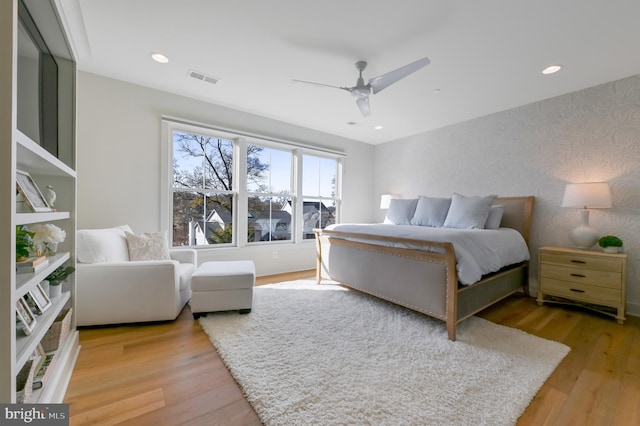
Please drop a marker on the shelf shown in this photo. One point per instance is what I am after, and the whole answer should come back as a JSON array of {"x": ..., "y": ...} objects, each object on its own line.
[
  {"x": 610, "y": 311},
  {"x": 25, "y": 345},
  {"x": 53, "y": 165},
  {"x": 28, "y": 218},
  {"x": 26, "y": 281},
  {"x": 31, "y": 155},
  {"x": 54, "y": 389}
]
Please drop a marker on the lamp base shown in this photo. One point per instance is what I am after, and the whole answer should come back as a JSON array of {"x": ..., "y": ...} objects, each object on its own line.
[{"x": 584, "y": 237}]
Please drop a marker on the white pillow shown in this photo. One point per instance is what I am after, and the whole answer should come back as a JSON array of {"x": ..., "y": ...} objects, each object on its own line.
[
  {"x": 431, "y": 211},
  {"x": 468, "y": 212},
  {"x": 102, "y": 245},
  {"x": 401, "y": 211},
  {"x": 148, "y": 246},
  {"x": 495, "y": 217}
]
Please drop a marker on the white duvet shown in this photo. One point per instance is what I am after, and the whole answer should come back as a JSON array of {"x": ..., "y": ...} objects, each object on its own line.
[{"x": 478, "y": 251}]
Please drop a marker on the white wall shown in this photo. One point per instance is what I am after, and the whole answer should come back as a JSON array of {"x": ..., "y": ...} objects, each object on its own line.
[
  {"x": 119, "y": 166},
  {"x": 590, "y": 135}
]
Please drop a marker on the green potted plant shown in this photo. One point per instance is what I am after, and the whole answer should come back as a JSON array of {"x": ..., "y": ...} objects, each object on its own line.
[
  {"x": 57, "y": 277},
  {"x": 24, "y": 243},
  {"x": 610, "y": 244}
]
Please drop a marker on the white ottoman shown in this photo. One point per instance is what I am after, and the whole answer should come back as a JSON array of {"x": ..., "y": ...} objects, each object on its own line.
[{"x": 223, "y": 286}]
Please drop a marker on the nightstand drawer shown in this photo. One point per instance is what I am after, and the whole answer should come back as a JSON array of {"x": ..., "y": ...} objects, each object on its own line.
[
  {"x": 583, "y": 276},
  {"x": 582, "y": 261},
  {"x": 581, "y": 292}
]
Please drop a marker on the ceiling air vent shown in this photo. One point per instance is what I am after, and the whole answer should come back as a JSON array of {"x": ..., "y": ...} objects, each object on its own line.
[{"x": 203, "y": 77}]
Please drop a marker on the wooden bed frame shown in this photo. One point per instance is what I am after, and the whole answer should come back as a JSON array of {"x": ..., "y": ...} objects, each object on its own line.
[{"x": 424, "y": 281}]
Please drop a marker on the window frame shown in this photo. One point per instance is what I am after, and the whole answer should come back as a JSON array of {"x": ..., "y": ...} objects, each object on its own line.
[
  {"x": 270, "y": 194},
  {"x": 169, "y": 188},
  {"x": 336, "y": 199},
  {"x": 241, "y": 140}
]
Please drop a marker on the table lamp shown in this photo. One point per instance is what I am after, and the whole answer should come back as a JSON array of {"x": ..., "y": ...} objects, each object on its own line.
[{"x": 590, "y": 195}]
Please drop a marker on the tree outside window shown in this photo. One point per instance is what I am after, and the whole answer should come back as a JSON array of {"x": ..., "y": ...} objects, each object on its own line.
[
  {"x": 206, "y": 190},
  {"x": 203, "y": 191}
]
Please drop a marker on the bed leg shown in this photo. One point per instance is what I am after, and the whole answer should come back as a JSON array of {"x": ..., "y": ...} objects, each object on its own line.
[
  {"x": 318, "y": 256},
  {"x": 525, "y": 284}
]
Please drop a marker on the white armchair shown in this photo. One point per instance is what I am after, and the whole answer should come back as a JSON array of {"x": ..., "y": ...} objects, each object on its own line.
[{"x": 111, "y": 289}]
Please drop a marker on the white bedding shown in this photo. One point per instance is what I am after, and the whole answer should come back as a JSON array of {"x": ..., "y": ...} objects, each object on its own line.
[{"x": 478, "y": 251}]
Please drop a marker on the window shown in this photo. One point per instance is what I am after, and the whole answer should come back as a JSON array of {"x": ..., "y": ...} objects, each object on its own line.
[
  {"x": 269, "y": 178},
  {"x": 319, "y": 193},
  {"x": 232, "y": 189},
  {"x": 203, "y": 196}
]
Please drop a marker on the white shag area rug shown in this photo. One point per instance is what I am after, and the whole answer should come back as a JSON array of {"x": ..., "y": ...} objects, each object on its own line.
[{"x": 312, "y": 354}]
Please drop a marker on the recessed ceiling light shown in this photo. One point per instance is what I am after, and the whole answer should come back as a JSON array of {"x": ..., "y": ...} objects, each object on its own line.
[
  {"x": 159, "y": 57},
  {"x": 551, "y": 69},
  {"x": 378, "y": 127}
]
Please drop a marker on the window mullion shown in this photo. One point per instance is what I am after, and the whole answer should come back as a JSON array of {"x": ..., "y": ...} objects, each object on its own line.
[
  {"x": 240, "y": 186},
  {"x": 298, "y": 199}
]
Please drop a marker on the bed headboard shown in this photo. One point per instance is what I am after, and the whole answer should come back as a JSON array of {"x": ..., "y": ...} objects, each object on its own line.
[{"x": 517, "y": 214}]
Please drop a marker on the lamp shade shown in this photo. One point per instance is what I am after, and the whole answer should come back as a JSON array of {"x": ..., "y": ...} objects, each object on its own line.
[
  {"x": 590, "y": 195},
  {"x": 385, "y": 200}
]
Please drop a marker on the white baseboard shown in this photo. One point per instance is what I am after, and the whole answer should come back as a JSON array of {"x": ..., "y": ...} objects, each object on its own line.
[{"x": 633, "y": 309}]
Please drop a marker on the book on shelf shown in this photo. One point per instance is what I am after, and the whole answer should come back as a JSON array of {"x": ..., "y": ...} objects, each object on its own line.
[
  {"x": 32, "y": 261},
  {"x": 33, "y": 264}
]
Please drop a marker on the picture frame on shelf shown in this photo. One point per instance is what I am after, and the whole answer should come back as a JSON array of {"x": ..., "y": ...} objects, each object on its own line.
[
  {"x": 30, "y": 192},
  {"x": 43, "y": 361},
  {"x": 39, "y": 299},
  {"x": 26, "y": 317},
  {"x": 38, "y": 357}
]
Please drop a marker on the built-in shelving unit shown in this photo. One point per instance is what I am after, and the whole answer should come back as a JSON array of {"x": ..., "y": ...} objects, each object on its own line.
[{"x": 44, "y": 147}]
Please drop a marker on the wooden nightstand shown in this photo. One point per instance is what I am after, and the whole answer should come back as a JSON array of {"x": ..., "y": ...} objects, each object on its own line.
[{"x": 592, "y": 279}]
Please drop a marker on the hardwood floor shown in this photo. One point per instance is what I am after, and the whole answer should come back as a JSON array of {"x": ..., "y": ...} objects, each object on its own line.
[{"x": 170, "y": 374}]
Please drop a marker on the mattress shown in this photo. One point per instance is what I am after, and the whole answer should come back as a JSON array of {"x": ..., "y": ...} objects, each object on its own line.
[{"x": 478, "y": 251}]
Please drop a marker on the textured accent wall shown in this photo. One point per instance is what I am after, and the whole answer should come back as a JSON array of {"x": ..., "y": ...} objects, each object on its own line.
[{"x": 585, "y": 136}]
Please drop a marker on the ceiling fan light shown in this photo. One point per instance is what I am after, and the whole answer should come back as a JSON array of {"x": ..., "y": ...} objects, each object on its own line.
[
  {"x": 361, "y": 92},
  {"x": 551, "y": 69}
]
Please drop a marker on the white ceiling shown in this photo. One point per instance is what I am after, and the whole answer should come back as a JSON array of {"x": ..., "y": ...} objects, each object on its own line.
[{"x": 486, "y": 56}]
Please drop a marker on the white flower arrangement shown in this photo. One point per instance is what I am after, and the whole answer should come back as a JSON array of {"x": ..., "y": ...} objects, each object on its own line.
[{"x": 46, "y": 233}]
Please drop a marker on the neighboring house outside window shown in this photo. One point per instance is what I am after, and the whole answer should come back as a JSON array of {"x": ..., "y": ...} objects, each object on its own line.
[{"x": 231, "y": 189}]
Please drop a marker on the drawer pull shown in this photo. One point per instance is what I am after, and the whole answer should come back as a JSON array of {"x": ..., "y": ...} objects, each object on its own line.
[
  {"x": 576, "y": 290},
  {"x": 578, "y": 261},
  {"x": 578, "y": 275}
]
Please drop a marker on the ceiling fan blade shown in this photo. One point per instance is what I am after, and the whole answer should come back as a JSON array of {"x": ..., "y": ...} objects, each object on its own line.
[
  {"x": 321, "y": 84},
  {"x": 363, "y": 104},
  {"x": 385, "y": 80}
]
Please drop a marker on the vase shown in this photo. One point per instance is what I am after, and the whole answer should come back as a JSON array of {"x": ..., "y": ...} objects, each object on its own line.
[
  {"x": 55, "y": 290},
  {"x": 611, "y": 249},
  {"x": 45, "y": 286},
  {"x": 50, "y": 248}
]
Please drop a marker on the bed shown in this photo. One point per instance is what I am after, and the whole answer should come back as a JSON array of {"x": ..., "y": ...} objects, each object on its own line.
[{"x": 419, "y": 274}]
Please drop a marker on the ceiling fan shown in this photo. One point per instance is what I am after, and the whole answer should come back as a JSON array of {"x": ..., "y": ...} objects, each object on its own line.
[{"x": 362, "y": 91}]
